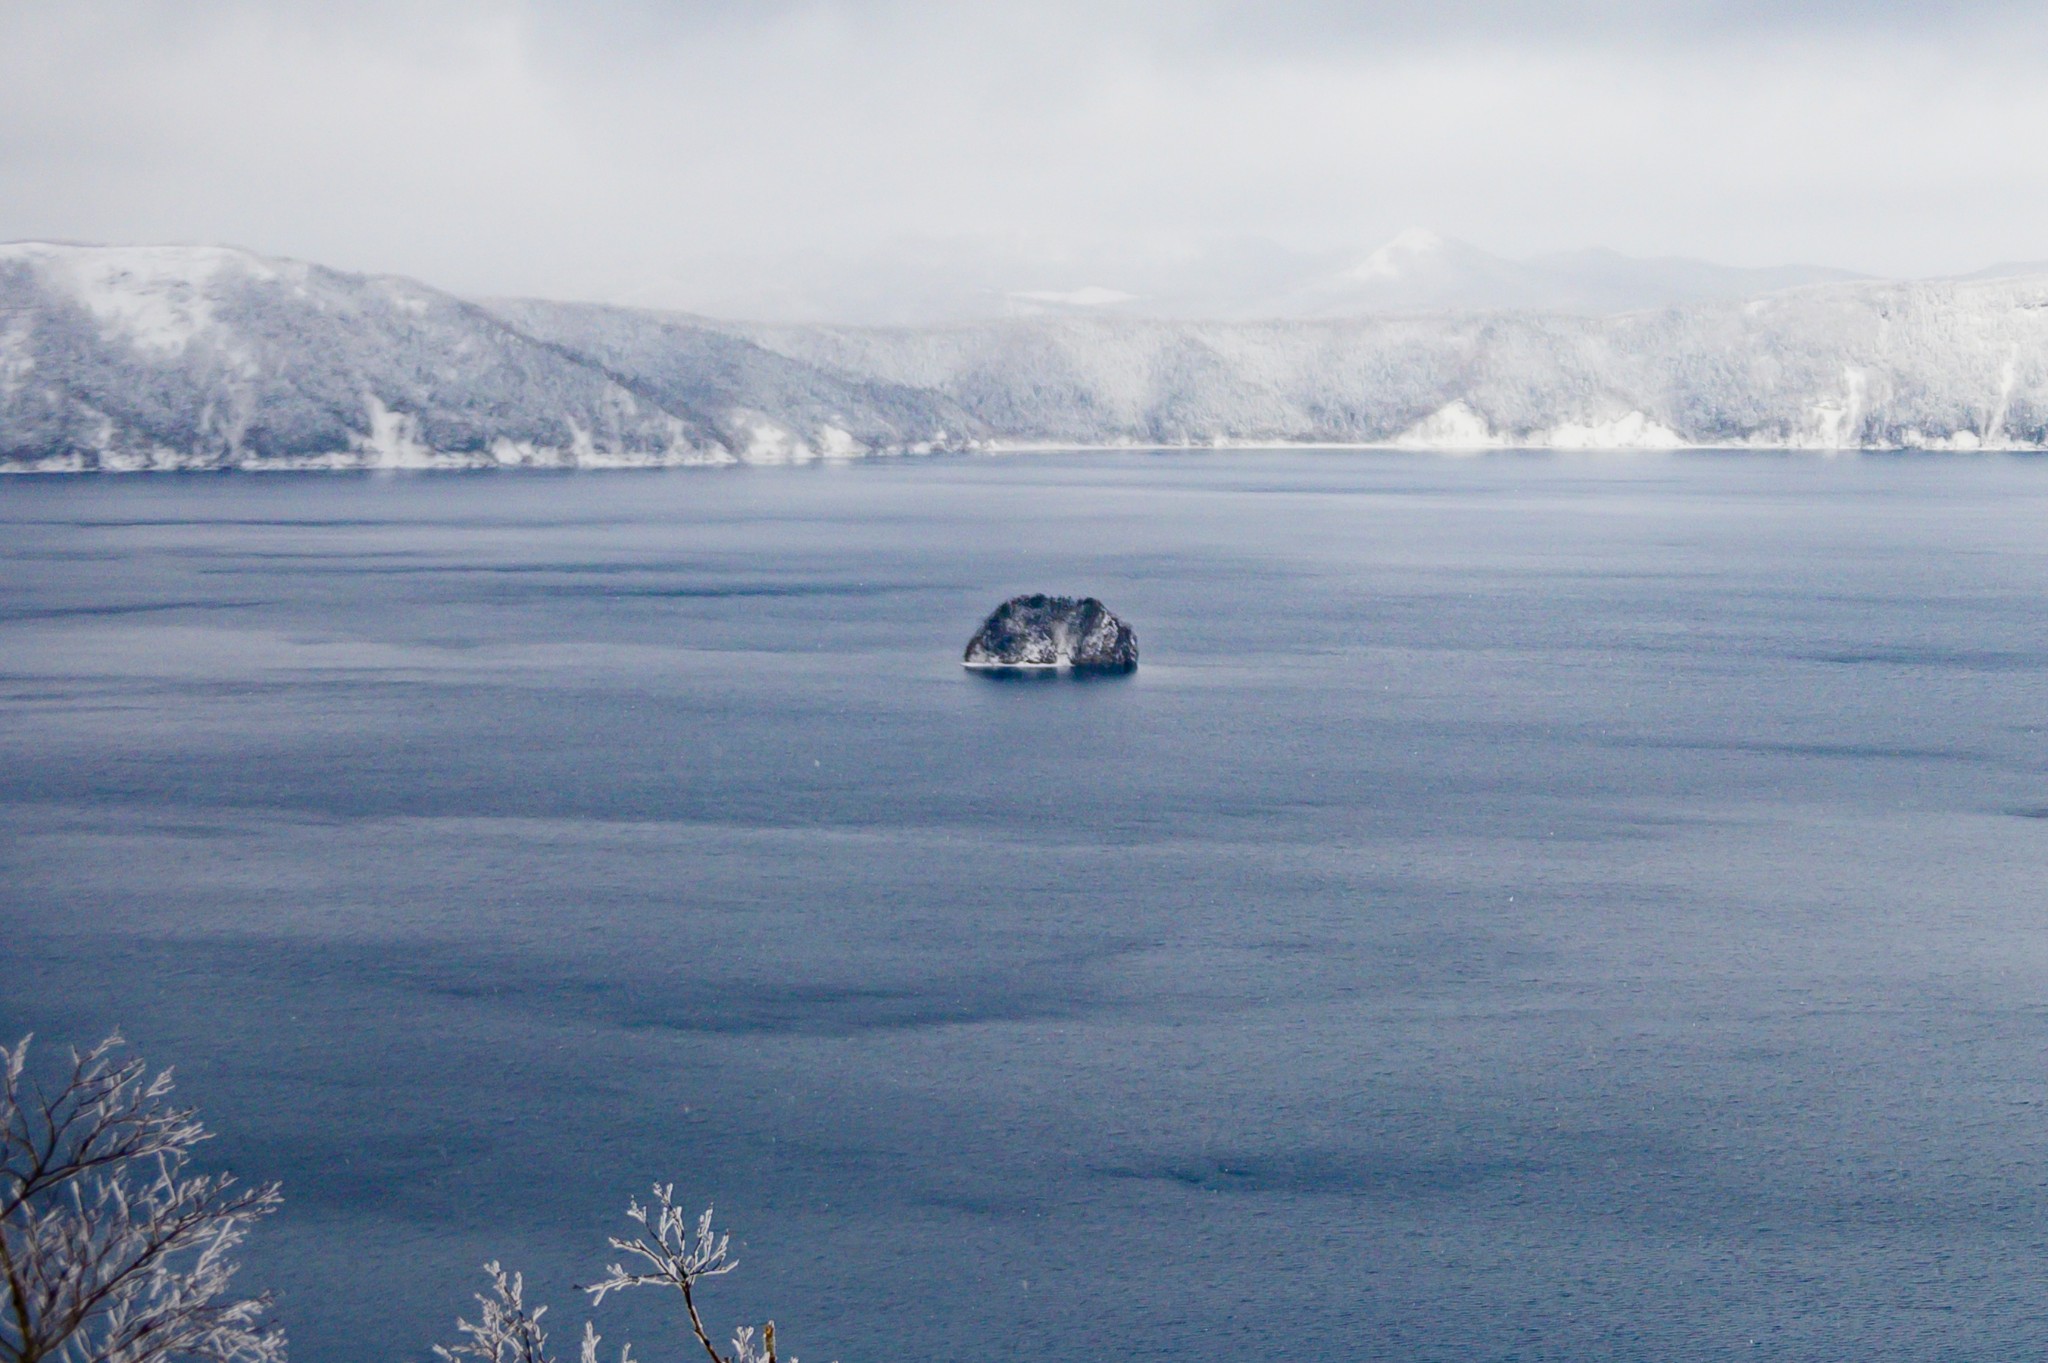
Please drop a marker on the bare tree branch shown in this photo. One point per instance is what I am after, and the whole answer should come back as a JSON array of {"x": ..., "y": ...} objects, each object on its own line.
[
  {"x": 674, "y": 1254},
  {"x": 675, "y": 1257},
  {"x": 110, "y": 1251}
]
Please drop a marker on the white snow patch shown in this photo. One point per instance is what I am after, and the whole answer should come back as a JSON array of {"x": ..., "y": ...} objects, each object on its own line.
[
  {"x": 1838, "y": 425},
  {"x": 405, "y": 298},
  {"x": 582, "y": 448},
  {"x": 760, "y": 439},
  {"x": 1454, "y": 426},
  {"x": 154, "y": 459},
  {"x": 394, "y": 439},
  {"x": 1994, "y": 429},
  {"x": 763, "y": 440},
  {"x": 156, "y": 296},
  {"x": 70, "y": 462},
  {"x": 523, "y": 454},
  {"x": 1397, "y": 257},
  {"x": 834, "y": 443},
  {"x": 1457, "y": 427},
  {"x": 1631, "y": 432}
]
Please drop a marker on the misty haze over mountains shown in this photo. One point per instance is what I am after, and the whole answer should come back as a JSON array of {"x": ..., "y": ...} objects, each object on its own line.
[
  {"x": 210, "y": 358},
  {"x": 1248, "y": 279}
]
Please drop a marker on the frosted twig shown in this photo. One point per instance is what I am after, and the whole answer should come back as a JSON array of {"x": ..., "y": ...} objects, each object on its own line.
[
  {"x": 670, "y": 1251},
  {"x": 505, "y": 1330},
  {"x": 110, "y": 1252},
  {"x": 678, "y": 1257}
]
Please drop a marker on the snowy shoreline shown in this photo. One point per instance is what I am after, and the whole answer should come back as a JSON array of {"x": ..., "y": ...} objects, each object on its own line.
[{"x": 460, "y": 464}]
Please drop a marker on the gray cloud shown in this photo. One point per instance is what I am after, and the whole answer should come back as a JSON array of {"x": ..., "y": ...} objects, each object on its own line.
[
  {"x": 637, "y": 151},
  {"x": 1300, "y": 23}
]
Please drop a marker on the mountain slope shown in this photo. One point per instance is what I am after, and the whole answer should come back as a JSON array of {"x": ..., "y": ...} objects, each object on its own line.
[
  {"x": 1942, "y": 364},
  {"x": 688, "y": 365},
  {"x": 209, "y": 358}
]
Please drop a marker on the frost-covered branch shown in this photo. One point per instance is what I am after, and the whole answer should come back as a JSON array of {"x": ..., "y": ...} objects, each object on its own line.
[
  {"x": 110, "y": 1252},
  {"x": 678, "y": 1257},
  {"x": 671, "y": 1253},
  {"x": 675, "y": 1258},
  {"x": 506, "y": 1329}
]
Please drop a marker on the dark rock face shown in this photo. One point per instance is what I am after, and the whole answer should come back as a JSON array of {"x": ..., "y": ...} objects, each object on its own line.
[{"x": 1053, "y": 631}]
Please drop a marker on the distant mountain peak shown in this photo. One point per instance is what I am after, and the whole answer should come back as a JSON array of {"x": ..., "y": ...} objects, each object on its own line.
[
  {"x": 1088, "y": 296},
  {"x": 1399, "y": 255}
]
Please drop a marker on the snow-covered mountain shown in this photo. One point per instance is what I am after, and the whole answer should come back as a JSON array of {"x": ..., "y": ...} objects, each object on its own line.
[
  {"x": 120, "y": 358},
  {"x": 1940, "y": 364},
  {"x": 188, "y": 357}
]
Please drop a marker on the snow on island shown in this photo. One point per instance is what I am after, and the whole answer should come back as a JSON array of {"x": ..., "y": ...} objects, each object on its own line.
[{"x": 1050, "y": 632}]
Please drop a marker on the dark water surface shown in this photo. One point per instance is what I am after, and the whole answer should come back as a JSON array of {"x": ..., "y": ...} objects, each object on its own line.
[{"x": 1522, "y": 908}]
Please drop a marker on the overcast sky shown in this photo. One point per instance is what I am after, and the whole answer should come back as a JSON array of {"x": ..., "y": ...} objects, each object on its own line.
[{"x": 580, "y": 149}]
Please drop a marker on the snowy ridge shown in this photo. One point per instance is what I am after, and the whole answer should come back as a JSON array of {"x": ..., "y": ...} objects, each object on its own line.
[
  {"x": 1960, "y": 364},
  {"x": 200, "y": 358},
  {"x": 203, "y": 358}
]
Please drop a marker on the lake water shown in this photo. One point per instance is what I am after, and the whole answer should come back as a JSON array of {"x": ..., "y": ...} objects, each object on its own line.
[{"x": 1521, "y": 908}]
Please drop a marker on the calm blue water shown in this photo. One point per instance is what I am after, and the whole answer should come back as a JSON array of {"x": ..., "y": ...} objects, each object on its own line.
[{"x": 1522, "y": 908}]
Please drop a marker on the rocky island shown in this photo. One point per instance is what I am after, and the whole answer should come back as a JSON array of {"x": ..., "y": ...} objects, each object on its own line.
[{"x": 1050, "y": 632}]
